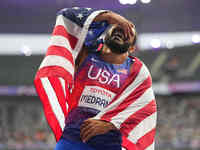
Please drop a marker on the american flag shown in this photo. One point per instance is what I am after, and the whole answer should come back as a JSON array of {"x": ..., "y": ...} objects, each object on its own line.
[{"x": 132, "y": 111}]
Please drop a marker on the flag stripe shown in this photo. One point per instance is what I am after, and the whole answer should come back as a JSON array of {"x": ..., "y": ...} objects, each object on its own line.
[
  {"x": 54, "y": 71},
  {"x": 121, "y": 95},
  {"x": 136, "y": 93},
  {"x": 151, "y": 147},
  {"x": 62, "y": 82},
  {"x": 138, "y": 116},
  {"x": 139, "y": 103},
  {"x": 52, "y": 120},
  {"x": 59, "y": 91},
  {"x": 146, "y": 140},
  {"x": 128, "y": 144},
  {"x": 60, "y": 51},
  {"x": 71, "y": 28},
  {"x": 141, "y": 76},
  {"x": 53, "y": 100},
  {"x": 66, "y": 93},
  {"x": 61, "y": 41},
  {"x": 142, "y": 128},
  {"x": 54, "y": 60},
  {"x": 134, "y": 71},
  {"x": 62, "y": 31}
]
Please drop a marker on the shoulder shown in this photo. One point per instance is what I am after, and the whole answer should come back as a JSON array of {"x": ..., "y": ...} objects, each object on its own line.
[{"x": 139, "y": 67}]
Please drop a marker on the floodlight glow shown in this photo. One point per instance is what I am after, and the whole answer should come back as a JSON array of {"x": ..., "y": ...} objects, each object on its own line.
[
  {"x": 169, "y": 44},
  {"x": 155, "y": 43},
  {"x": 26, "y": 50},
  {"x": 132, "y": 2},
  {"x": 145, "y": 1},
  {"x": 124, "y": 2},
  {"x": 196, "y": 38}
]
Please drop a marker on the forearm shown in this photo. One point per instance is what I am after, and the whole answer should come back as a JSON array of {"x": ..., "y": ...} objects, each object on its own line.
[
  {"x": 110, "y": 17},
  {"x": 114, "y": 18}
]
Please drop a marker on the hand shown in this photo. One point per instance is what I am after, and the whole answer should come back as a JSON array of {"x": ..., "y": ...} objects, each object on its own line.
[
  {"x": 123, "y": 22},
  {"x": 91, "y": 127},
  {"x": 114, "y": 18}
]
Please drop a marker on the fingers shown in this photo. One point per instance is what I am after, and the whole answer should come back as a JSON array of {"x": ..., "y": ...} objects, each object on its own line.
[
  {"x": 127, "y": 27},
  {"x": 123, "y": 22},
  {"x": 130, "y": 29},
  {"x": 85, "y": 124},
  {"x": 90, "y": 132},
  {"x": 130, "y": 32},
  {"x": 92, "y": 127},
  {"x": 87, "y": 130},
  {"x": 85, "y": 127}
]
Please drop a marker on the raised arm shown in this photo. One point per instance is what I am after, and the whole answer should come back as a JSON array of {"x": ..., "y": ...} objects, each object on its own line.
[
  {"x": 56, "y": 72},
  {"x": 114, "y": 18}
]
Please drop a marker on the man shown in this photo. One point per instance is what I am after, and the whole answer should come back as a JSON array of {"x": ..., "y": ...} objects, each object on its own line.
[{"x": 109, "y": 102}]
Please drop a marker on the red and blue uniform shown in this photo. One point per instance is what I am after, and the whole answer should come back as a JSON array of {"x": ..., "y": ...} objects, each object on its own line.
[
  {"x": 96, "y": 84},
  {"x": 133, "y": 106}
]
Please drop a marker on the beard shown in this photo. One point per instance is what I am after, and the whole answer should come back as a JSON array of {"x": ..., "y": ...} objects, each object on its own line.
[{"x": 113, "y": 42}]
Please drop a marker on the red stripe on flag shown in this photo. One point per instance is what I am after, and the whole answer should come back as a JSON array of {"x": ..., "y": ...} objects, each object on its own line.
[
  {"x": 134, "y": 71},
  {"x": 54, "y": 71},
  {"x": 60, "y": 30},
  {"x": 139, "y": 91},
  {"x": 146, "y": 140},
  {"x": 128, "y": 144},
  {"x": 55, "y": 82},
  {"x": 138, "y": 117},
  {"x": 50, "y": 116},
  {"x": 60, "y": 51}
]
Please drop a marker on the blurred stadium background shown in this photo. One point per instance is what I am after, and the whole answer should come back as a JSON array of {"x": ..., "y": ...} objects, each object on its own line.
[{"x": 168, "y": 43}]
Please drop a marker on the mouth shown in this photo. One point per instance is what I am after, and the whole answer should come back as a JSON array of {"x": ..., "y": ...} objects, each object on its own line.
[{"x": 116, "y": 40}]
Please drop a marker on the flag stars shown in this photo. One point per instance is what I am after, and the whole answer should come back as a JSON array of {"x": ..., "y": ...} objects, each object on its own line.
[{"x": 80, "y": 16}]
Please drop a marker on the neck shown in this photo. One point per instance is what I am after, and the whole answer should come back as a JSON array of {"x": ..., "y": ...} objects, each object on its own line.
[{"x": 113, "y": 58}]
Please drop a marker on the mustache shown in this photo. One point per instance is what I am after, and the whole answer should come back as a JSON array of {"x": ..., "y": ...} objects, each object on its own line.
[{"x": 116, "y": 47}]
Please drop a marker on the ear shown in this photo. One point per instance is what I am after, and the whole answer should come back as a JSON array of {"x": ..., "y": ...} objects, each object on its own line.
[{"x": 132, "y": 48}]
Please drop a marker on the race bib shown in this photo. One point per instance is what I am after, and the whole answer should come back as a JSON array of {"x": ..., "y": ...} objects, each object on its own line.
[{"x": 95, "y": 97}]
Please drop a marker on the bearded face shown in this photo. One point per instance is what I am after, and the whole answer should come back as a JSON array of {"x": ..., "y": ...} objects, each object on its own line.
[{"x": 115, "y": 39}]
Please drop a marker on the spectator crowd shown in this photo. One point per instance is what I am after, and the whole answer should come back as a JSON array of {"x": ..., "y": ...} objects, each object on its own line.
[{"x": 177, "y": 126}]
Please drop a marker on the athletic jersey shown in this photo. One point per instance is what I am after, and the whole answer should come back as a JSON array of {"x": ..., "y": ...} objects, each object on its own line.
[
  {"x": 133, "y": 110},
  {"x": 96, "y": 84}
]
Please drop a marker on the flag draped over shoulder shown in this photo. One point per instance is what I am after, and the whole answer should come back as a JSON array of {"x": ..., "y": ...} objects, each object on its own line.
[
  {"x": 133, "y": 110},
  {"x": 55, "y": 74}
]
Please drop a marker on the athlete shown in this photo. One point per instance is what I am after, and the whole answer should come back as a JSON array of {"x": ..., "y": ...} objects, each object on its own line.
[
  {"x": 97, "y": 80},
  {"x": 109, "y": 100}
]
